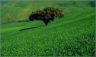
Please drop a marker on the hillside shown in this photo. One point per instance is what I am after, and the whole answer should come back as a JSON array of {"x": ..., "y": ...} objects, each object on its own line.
[
  {"x": 12, "y": 11},
  {"x": 72, "y": 35}
]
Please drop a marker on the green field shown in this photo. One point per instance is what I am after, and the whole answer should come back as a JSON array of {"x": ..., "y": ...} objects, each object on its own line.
[{"x": 72, "y": 35}]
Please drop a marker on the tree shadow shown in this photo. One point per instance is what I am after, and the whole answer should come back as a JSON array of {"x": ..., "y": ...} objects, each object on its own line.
[
  {"x": 30, "y": 28},
  {"x": 27, "y": 28}
]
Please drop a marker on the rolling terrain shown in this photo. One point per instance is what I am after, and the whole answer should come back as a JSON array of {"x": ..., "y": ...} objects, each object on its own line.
[{"x": 72, "y": 35}]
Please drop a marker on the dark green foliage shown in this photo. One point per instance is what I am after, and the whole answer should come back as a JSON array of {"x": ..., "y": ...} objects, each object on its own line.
[
  {"x": 46, "y": 15},
  {"x": 92, "y": 3}
]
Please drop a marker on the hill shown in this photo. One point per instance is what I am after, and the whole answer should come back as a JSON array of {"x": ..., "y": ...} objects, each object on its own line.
[
  {"x": 13, "y": 11},
  {"x": 73, "y": 35}
]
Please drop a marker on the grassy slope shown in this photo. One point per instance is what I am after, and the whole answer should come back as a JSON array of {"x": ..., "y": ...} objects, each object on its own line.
[
  {"x": 71, "y": 35},
  {"x": 20, "y": 10}
]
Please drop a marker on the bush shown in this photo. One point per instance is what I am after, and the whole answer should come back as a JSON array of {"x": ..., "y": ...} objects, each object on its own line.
[{"x": 46, "y": 15}]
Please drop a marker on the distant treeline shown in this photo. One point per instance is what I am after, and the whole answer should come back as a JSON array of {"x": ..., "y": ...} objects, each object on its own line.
[{"x": 92, "y": 3}]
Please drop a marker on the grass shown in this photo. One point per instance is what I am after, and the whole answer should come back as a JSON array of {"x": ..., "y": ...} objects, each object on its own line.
[{"x": 73, "y": 35}]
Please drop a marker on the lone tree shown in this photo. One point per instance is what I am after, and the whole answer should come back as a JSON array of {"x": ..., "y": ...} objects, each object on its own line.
[{"x": 46, "y": 15}]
